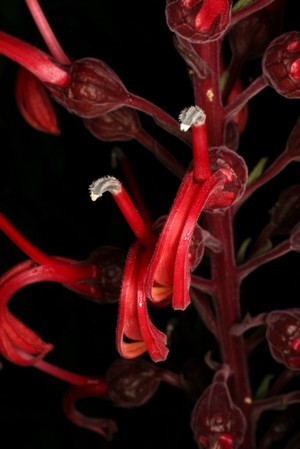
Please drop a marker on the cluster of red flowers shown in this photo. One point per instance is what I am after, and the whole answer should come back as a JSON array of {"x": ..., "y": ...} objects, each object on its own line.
[{"x": 159, "y": 264}]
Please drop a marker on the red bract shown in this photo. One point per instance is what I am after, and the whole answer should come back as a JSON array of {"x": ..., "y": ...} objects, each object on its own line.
[
  {"x": 283, "y": 336},
  {"x": 198, "y": 21},
  {"x": 281, "y": 64},
  {"x": 216, "y": 421}
]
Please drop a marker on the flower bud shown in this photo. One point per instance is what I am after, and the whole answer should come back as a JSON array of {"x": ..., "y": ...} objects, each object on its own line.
[
  {"x": 281, "y": 64},
  {"x": 111, "y": 262},
  {"x": 131, "y": 383},
  {"x": 283, "y": 336},
  {"x": 233, "y": 165},
  {"x": 94, "y": 89},
  {"x": 216, "y": 421},
  {"x": 121, "y": 124},
  {"x": 198, "y": 21}
]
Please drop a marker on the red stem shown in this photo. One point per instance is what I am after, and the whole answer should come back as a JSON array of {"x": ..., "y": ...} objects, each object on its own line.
[
  {"x": 161, "y": 117},
  {"x": 68, "y": 376},
  {"x": 47, "y": 33},
  {"x": 25, "y": 245},
  {"x": 226, "y": 295}
]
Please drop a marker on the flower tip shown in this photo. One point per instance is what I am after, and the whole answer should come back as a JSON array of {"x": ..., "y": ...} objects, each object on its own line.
[{"x": 193, "y": 115}]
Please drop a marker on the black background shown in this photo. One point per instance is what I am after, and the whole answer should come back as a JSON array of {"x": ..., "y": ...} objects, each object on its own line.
[{"x": 44, "y": 192}]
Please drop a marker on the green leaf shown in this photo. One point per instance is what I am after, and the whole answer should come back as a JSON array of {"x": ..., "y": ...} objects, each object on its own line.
[
  {"x": 241, "y": 4},
  {"x": 257, "y": 170},
  {"x": 264, "y": 386},
  {"x": 241, "y": 254}
]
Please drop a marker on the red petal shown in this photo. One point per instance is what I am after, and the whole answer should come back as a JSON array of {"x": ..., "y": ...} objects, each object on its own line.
[
  {"x": 34, "y": 103},
  {"x": 160, "y": 274},
  {"x": 128, "y": 323},
  {"x": 155, "y": 340},
  {"x": 182, "y": 277}
]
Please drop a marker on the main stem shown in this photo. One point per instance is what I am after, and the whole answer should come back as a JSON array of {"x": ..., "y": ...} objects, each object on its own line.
[{"x": 226, "y": 296}]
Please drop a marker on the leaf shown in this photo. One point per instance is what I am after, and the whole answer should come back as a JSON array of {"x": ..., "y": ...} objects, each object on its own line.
[
  {"x": 264, "y": 386},
  {"x": 241, "y": 254},
  {"x": 241, "y": 4},
  {"x": 257, "y": 170}
]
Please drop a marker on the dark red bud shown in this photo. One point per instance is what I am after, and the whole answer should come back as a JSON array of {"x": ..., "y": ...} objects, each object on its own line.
[
  {"x": 131, "y": 383},
  {"x": 198, "y": 21},
  {"x": 234, "y": 167},
  {"x": 216, "y": 421},
  {"x": 111, "y": 262},
  {"x": 122, "y": 124},
  {"x": 283, "y": 334},
  {"x": 94, "y": 89},
  {"x": 281, "y": 64}
]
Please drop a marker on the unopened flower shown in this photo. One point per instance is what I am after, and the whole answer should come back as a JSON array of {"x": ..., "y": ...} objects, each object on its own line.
[
  {"x": 281, "y": 64},
  {"x": 283, "y": 336},
  {"x": 217, "y": 422},
  {"x": 198, "y": 21},
  {"x": 131, "y": 383}
]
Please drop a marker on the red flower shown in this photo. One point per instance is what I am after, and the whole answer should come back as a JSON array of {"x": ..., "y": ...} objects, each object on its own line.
[
  {"x": 134, "y": 322},
  {"x": 159, "y": 268},
  {"x": 201, "y": 189},
  {"x": 18, "y": 343}
]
